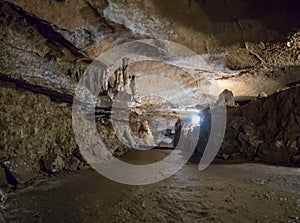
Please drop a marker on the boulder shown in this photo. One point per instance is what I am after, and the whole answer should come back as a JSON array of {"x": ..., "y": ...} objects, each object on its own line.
[
  {"x": 262, "y": 95},
  {"x": 228, "y": 97},
  {"x": 144, "y": 130},
  {"x": 53, "y": 162},
  {"x": 274, "y": 127},
  {"x": 18, "y": 171}
]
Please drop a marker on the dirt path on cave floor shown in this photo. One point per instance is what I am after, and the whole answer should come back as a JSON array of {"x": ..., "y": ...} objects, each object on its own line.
[{"x": 221, "y": 193}]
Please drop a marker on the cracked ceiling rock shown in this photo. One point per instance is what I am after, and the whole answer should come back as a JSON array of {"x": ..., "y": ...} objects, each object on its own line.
[
  {"x": 79, "y": 22},
  {"x": 29, "y": 57}
]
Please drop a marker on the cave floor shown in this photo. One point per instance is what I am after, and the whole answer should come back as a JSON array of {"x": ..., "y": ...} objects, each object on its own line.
[{"x": 221, "y": 193}]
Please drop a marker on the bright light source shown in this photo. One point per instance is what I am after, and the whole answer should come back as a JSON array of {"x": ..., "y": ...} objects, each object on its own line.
[{"x": 196, "y": 119}]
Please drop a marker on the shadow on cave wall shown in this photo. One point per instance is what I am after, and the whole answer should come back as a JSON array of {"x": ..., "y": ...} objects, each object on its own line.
[{"x": 214, "y": 17}]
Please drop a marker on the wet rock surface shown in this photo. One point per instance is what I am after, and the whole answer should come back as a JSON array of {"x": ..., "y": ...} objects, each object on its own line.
[{"x": 222, "y": 193}]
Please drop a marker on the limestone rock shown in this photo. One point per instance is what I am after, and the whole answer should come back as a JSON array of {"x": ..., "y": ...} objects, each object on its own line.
[
  {"x": 228, "y": 97},
  {"x": 45, "y": 46},
  {"x": 53, "y": 162},
  {"x": 241, "y": 138},
  {"x": 262, "y": 95},
  {"x": 276, "y": 119},
  {"x": 82, "y": 37},
  {"x": 144, "y": 130},
  {"x": 39, "y": 133},
  {"x": 33, "y": 127},
  {"x": 23, "y": 44},
  {"x": 18, "y": 170}
]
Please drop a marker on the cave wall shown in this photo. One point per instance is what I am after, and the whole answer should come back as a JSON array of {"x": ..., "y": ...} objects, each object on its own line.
[
  {"x": 265, "y": 130},
  {"x": 43, "y": 46},
  {"x": 37, "y": 135},
  {"x": 36, "y": 131}
]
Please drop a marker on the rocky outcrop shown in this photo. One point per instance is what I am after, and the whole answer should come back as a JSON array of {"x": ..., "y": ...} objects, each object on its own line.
[
  {"x": 78, "y": 24},
  {"x": 45, "y": 54},
  {"x": 29, "y": 57},
  {"x": 228, "y": 98},
  {"x": 241, "y": 140},
  {"x": 50, "y": 55},
  {"x": 37, "y": 136},
  {"x": 266, "y": 130},
  {"x": 45, "y": 46}
]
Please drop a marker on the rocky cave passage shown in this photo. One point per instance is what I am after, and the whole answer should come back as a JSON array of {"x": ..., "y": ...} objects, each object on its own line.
[{"x": 108, "y": 108}]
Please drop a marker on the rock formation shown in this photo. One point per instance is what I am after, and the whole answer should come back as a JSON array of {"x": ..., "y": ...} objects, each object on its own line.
[
  {"x": 46, "y": 46},
  {"x": 266, "y": 129},
  {"x": 228, "y": 97}
]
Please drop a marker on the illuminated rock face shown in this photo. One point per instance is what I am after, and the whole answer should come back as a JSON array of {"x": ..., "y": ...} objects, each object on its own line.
[
  {"x": 54, "y": 42},
  {"x": 228, "y": 98}
]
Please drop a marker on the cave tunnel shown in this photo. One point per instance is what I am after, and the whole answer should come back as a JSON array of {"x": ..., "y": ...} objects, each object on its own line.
[{"x": 149, "y": 111}]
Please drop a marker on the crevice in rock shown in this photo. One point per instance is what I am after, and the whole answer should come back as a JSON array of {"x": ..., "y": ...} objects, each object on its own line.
[
  {"x": 46, "y": 30},
  {"x": 55, "y": 96}
]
